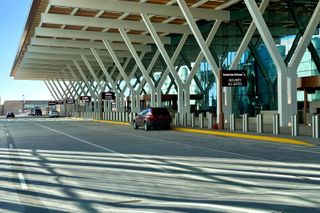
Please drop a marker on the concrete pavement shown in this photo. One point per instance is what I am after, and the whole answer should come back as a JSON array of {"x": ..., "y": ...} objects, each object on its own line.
[{"x": 85, "y": 166}]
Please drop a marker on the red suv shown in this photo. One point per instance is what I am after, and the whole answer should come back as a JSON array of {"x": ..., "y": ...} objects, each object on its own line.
[{"x": 153, "y": 117}]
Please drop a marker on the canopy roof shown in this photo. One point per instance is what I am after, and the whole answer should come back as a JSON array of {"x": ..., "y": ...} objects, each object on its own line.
[{"x": 58, "y": 32}]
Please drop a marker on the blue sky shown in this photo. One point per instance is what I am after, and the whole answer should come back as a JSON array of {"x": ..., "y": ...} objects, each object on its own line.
[{"x": 13, "y": 16}]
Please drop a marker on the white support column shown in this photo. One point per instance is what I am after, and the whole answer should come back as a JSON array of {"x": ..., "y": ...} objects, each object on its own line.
[
  {"x": 84, "y": 58},
  {"x": 166, "y": 58},
  {"x": 79, "y": 83},
  {"x": 241, "y": 50},
  {"x": 276, "y": 57},
  {"x": 200, "y": 57},
  {"x": 150, "y": 67},
  {"x": 75, "y": 90},
  {"x": 117, "y": 62},
  {"x": 297, "y": 57},
  {"x": 69, "y": 94},
  {"x": 53, "y": 93},
  {"x": 167, "y": 71},
  {"x": 94, "y": 96},
  {"x": 57, "y": 89},
  {"x": 140, "y": 65},
  {"x": 202, "y": 44},
  {"x": 104, "y": 69}
]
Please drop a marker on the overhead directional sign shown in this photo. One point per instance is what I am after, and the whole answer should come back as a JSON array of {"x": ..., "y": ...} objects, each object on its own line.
[
  {"x": 234, "y": 78},
  {"x": 70, "y": 101},
  {"x": 59, "y": 102},
  {"x": 85, "y": 98},
  {"x": 108, "y": 96},
  {"x": 51, "y": 103}
]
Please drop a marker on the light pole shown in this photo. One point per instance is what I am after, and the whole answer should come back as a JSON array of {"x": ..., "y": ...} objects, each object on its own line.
[{"x": 24, "y": 102}]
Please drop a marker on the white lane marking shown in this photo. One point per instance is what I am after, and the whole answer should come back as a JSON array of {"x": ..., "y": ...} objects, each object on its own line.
[
  {"x": 300, "y": 150},
  {"x": 10, "y": 146},
  {"x": 157, "y": 167},
  {"x": 22, "y": 181}
]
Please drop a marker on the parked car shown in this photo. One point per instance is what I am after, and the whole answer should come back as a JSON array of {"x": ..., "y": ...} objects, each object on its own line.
[
  {"x": 53, "y": 114},
  {"x": 37, "y": 112},
  {"x": 153, "y": 117},
  {"x": 10, "y": 115}
]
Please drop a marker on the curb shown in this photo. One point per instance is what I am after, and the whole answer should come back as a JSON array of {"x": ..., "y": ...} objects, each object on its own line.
[{"x": 247, "y": 136}]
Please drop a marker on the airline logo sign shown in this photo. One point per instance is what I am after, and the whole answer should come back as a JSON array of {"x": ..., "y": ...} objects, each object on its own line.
[{"x": 234, "y": 78}]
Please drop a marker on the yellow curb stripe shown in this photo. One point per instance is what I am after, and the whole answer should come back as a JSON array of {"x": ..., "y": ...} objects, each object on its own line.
[
  {"x": 112, "y": 122},
  {"x": 246, "y": 136}
]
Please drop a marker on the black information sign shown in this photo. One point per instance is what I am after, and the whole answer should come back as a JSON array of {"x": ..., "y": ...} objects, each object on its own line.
[
  {"x": 108, "y": 96},
  {"x": 85, "y": 98},
  {"x": 59, "y": 102},
  {"x": 234, "y": 78},
  {"x": 51, "y": 103},
  {"x": 70, "y": 101}
]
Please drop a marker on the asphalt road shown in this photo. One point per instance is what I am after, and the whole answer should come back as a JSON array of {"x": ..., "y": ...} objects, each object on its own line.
[{"x": 62, "y": 165}]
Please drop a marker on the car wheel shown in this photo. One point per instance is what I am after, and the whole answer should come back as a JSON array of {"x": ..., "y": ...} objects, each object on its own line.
[
  {"x": 135, "y": 126},
  {"x": 146, "y": 126}
]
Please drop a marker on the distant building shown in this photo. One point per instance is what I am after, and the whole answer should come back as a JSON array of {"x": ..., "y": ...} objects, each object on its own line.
[{"x": 20, "y": 106}]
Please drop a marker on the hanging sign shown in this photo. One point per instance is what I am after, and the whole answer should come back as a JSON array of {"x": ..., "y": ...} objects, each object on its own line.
[
  {"x": 107, "y": 96},
  {"x": 234, "y": 78}
]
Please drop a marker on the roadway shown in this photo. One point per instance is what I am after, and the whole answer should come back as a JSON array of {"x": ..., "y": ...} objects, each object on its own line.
[{"x": 64, "y": 165}]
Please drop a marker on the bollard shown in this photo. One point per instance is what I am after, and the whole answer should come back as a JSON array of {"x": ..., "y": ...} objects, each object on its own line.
[
  {"x": 259, "y": 123},
  {"x": 185, "y": 119},
  {"x": 177, "y": 119},
  {"x": 294, "y": 125},
  {"x": 232, "y": 123},
  {"x": 210, "y": 121},
  {"x": 275, "y": 124},
  {"x": 315, "y": 126},
  {"x": 192, "y": 120},
  {"x": 201, "y": 120},
  {"x": 245, "y": 122}
]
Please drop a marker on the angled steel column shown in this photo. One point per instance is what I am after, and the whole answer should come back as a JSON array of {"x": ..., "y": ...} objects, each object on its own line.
[
  {"x": 84, "y": 78},
  {"x": 53, "y": 93},
  {"x": 60, "y": 96},
  {"x": 167, "y": 70},
  {"x": 84, "y": 58},
  {"x": 71, "y": 84},
  {"x": 104, "y": 70},
  {"x": 69, "y": 94},
  {"x": 297, "y": 57},
  {"x": 64, "y": 92},
  {"x": 276, "y": 57},
  {"x": 79, "y": 83},
  {"x": 148, "y": 71},
  {"x": 241, "y": 50},
  {"x": 140, "y": 64},
  {"x": 205, "y": 50},
  {"x": 167, "y": 59},
  {"x": 120, "y": 68}
]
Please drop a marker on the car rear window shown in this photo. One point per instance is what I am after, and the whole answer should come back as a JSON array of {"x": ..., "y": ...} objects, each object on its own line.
[{"x": 160, "y": 111}]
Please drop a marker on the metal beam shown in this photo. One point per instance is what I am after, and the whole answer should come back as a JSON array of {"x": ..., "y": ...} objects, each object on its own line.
[
  {"x": 111, "y": 23},
  {"x": 84, "y": 44},
  {"x": 135, "y": 7},
  {"x": 63, "y": 33}
]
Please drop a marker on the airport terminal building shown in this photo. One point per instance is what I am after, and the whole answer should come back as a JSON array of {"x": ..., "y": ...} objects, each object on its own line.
[{"x": 177, "y": 54}]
